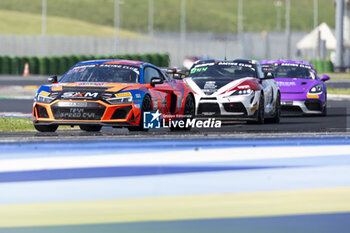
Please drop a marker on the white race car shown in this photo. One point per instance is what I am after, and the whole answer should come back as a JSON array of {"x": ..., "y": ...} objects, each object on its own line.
[{"x": 234, "y": 90}]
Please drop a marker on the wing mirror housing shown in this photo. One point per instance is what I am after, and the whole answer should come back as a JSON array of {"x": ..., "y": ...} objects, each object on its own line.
[
  {"x": 52, "y": 79},
  {"x": 177, "y": 76},
  {"x": 325, "y": 78},
  {"x": 156, "y": 80}
]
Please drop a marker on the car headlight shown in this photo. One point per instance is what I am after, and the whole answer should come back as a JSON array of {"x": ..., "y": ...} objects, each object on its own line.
[
  {"x": 120, "y": 100},
  {"x": 45, "y": 97},
  {"x": 317, "y": 89},
  {"x": 243, "y": 92}
]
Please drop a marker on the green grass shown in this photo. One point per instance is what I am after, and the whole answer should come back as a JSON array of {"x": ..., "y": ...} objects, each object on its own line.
[
  {"x": 20, "y": 124},
  {"x": 338, "y": 91},
  {"x": 13, "y": 22},
  {"x": 202, "y": 15},
  {"x": 15, "y": 124}
]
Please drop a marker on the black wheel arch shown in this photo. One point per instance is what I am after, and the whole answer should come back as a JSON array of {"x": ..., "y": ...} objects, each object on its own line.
[
  {"x": 194, "y": 99},
  {"x": 150, "y": 97}
]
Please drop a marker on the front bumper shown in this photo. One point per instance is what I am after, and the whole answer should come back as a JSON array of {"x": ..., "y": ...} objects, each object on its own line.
[
  {"x": 76, "y": 112},
  {"x": 230, "y": 108},
  {"x": 304, "y": 103},
  {"x": 308, "y": 106}
]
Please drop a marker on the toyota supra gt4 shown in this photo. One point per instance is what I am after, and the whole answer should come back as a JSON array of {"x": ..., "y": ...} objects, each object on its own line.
[{"x": 234, "y": 90}]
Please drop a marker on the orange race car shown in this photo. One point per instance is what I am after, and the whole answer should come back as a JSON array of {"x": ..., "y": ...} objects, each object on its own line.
[{"x": 118, "y": 93}]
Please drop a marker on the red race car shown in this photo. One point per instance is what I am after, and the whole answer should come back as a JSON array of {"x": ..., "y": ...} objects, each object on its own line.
[{"x": 116, "y": 93}]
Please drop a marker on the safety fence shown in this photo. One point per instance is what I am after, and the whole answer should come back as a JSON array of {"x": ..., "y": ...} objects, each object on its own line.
[
  {"x": 267, "y": 45},
  {"x": 254, "y": 45}
]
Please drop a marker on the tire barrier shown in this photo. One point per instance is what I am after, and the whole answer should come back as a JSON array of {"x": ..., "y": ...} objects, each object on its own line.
[
  {"x": 49, "y": 65},
  {"x": 322, "y": 66}
]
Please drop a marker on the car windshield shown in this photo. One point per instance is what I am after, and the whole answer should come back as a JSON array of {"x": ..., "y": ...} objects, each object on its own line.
[
  {"x": 110, "y": 73},
  {"x": 293, "y": 72},
  {"x": 223, "y": 70}
]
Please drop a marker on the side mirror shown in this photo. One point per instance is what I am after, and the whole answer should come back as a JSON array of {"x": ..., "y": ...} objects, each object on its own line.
[
  {"x": 156, "y": 80},
  {"x": 325, "y": 77},
  {"x": 177, "y": 76},
  {"x": 52, "y": 79},
  {"x": 269, "y": 75}
]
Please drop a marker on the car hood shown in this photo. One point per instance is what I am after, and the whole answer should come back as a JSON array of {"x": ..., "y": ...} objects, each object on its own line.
[
  {"x": 88, "y": 91},
  {"x": 215, "y": 87},
  {"x": 210, "y": 85},
  {"x": 294, "y": 85},
  {"x": 84, "y": 86}
]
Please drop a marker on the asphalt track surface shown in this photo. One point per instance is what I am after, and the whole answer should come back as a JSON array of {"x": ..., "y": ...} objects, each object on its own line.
[
  {"x": 287, "y": 177},
  {"x": 6, "y": 80},
  {"x": 337, "y": 120}
]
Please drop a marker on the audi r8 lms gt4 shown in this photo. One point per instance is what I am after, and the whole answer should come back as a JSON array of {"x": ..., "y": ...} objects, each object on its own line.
[
  {"x": 302, "y": 90},
  {"x": 234, "y": 89},
  {"x": 116, "y": 93}
]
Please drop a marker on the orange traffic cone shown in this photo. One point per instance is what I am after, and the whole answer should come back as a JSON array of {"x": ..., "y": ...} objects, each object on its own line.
[{"x": 26, "y": 70}]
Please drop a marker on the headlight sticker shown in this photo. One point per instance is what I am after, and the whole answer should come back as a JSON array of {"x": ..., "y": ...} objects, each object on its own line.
[
  {"x": 44, "y": 93},
  {"x": 123, "y": 94},
  {"x": 313, "y": 96}
]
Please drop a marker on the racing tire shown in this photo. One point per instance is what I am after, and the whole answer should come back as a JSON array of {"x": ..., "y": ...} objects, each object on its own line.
[
  {"x": 146, "y": 107},
  {"x": 324, "y": 113},
  {"x": 277, "y": 115},
  {"x": 46, "y": 128},
  {"x": 260, "y": 119},
  {"x": 189, "y": 110},
  {"x": 90, "y": 128}
]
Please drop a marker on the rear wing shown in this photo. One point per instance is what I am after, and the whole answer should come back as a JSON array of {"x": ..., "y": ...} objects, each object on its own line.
[{"x": 175, "y": 72}]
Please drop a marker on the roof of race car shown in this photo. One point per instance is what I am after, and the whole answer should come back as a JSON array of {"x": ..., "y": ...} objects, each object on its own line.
[
  {"x": 115, "y": 61},
  {"x": 219, "y": 60},
  {"x": 267, "y": 62}
]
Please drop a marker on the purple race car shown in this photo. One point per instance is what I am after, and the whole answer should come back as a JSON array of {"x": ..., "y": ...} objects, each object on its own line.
[{"x": 301, "y": 89}]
